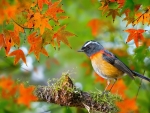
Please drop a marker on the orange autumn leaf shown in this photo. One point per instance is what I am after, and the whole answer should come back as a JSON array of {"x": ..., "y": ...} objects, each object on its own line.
[
  {"x": 8, "y": 43},
  {"x": 38, "y": 20},
  {"x": 37, "y": 49},
  {"x": 42, "y": 2},
  {"x": 95, "y": 25},
  {"x": 18, "y": 29},
  {"x": 128, "y": 105},
  {"x": 26, "y": 95},
  {"x": 33, "y": 38},
  {"x": 105, "y": 2},
  {"x": 104, "y": 8},
  {"x": 147, "y": 42},
  {"x": 54, "y": 9},
  {"x": 19, "y": 54},
  {"x": 6, "y": 83},
  {"x": 129, "y": 20},
  {"x": 136, "y": 35},
  {"x": 36, "y": 45},
  {"x": 7, "y": 10},
  {"x": 8, "y": 87},
  {"x": 10, "y": 11},
  {"x": 119, "y": 88},
  {"x": 121, "y": 3},
  {"x": 44, "y": 25},
  {"x": 30, "y": 17},
  {"x": 10, "y": 38},
  {"x": 22, "y": 4},
  {"x": 9, "y": 93},
  {"x": 15, "y": 37},
  {"x": 61, "y": 36},
  {"x": 142, "y": 17}
]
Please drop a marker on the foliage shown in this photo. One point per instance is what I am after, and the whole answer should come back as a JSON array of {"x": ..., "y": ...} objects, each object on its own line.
[
  {"x": 13, "y": 94},
  {"x": 36, "y": 18},
  {"x": 134, "y": 15}
]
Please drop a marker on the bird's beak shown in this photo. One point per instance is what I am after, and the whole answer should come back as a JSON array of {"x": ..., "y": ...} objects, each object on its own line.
[{"x": 80, "y": 50}]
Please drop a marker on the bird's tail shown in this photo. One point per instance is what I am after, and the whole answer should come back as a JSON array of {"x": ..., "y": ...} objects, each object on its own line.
[{"x": 141, "y": 76}]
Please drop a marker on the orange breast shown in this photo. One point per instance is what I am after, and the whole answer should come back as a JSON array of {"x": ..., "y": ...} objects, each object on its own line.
[{"x": 103, "y": 67}]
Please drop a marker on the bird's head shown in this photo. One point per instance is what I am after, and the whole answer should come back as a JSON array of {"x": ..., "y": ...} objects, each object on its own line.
[{"x": 91, "y": 47}]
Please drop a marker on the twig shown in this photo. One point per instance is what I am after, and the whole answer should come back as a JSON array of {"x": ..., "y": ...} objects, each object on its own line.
[
  {"x": 140, "y": 16},
  {"x": 20, "y": 25}
]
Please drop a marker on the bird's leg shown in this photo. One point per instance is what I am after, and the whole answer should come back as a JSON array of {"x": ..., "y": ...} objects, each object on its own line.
[
  {"x": 108, "y": 83},
  {"x": 113, "y": 84}
]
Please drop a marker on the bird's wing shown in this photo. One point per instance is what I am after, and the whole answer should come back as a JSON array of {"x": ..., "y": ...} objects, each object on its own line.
[{"x": 112, "y": 59}]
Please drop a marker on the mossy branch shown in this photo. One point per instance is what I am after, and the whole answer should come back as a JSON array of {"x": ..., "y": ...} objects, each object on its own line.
[{"x": 64, "y": 93}]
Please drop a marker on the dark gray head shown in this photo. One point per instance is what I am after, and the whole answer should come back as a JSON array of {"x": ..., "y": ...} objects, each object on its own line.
[{"x": 91, "y": 47}]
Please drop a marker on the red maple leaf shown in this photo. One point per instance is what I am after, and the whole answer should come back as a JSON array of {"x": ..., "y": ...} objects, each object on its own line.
[
  {"x": 95, "y": 25},
  {"x": 33, "y": 38},
  {"x": 8, "y": 87},
  {"x": 130, "y": 108},
  {"x": 136, "y": 35},
  {"x": 19, "y": 54},
  {"x": 26, "y": 95},
  {"x": 36, "y": 45},
  {"x": 15, "y": 37},
  {"x": 8, "y": 42}
]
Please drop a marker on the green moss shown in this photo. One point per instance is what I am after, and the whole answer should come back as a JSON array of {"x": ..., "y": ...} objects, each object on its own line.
[
  {"x": 62, "y": 91},
  {"x": 107, "y": 98},
  {"x": 62, "y": 83}
]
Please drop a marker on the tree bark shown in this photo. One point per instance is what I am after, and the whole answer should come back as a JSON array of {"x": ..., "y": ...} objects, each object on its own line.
[{"x": 64, "y": 93}]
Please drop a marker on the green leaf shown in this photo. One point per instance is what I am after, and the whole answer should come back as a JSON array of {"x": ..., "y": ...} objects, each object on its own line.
[
  {"x": 11, "y": 2},
  {"x": 144, "y": 3},
  {"x": 129, "y": 4},
  {"x": 113, "y": 5}
]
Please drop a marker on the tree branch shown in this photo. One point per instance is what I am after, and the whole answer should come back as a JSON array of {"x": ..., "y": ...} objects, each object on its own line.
[{"x": 64, "y": 93}]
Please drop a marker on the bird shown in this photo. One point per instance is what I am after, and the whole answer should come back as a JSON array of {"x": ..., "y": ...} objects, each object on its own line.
[{"x": 106, "y": 64}]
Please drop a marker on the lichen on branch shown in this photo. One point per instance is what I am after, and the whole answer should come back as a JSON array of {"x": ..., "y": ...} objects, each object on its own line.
[{"x": 64, "y": 93}]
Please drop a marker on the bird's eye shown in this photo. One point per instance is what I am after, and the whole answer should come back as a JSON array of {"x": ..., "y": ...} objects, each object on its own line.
[{"x": 88, "y": 47}]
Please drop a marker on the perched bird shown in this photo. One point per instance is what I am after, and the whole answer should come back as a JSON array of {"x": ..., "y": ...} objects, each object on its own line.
[{"x": 106, "y": 64}]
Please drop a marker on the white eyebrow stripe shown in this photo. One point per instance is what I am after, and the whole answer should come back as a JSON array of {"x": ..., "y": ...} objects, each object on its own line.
[{"x": 89, "y": 43}]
